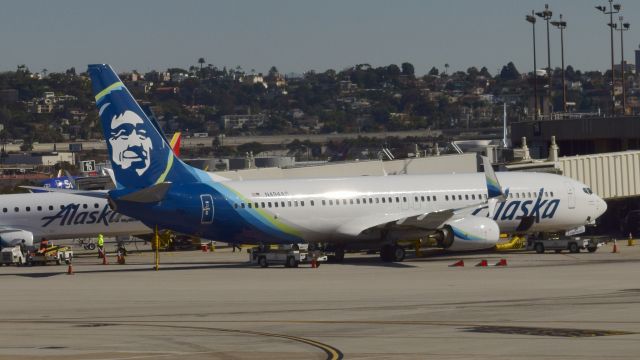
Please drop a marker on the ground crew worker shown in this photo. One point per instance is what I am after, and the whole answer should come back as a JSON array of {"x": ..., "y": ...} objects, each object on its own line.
[
  {"x": 44, "y": 243},
  {"x": 100, "y": 246},
  {"x": 23, "y": 248}
]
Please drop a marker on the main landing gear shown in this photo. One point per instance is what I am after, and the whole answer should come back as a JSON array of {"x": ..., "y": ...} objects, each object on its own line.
[{"x": 392, "y": 253}]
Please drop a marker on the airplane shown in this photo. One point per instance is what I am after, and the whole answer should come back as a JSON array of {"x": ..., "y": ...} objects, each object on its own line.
[{"x": 461, "y": 211}]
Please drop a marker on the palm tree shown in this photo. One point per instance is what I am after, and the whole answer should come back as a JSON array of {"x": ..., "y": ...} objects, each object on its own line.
[
  {"x": 201, "y": 61},
  {"x": 446, "y": 68}
]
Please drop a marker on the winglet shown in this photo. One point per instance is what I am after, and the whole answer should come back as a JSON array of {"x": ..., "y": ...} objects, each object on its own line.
[
  {"x": 493, "y": 186},
  {"x": 175, "y": 143}
]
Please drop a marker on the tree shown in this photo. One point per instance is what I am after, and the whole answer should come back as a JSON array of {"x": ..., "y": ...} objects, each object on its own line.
[
  {"x": 393, "y": 71},
  {"x": 407, "y": 69},
  {"x": 434, "y": 71},
  {"x": 509, "y": 72},
  {"x": 201, "y": 61}
]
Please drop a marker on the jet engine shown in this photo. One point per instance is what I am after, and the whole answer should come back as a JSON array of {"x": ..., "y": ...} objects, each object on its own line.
[
  {"x": 10, "y": 238},
  {"x": 468, "y": 233}
]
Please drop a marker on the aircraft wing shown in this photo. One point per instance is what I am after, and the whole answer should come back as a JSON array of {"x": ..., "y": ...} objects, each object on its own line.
[{"x": 420, "y": 221}]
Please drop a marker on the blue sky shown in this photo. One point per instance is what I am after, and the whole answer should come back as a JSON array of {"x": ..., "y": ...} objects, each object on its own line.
[{"x": 300, "y": 35}]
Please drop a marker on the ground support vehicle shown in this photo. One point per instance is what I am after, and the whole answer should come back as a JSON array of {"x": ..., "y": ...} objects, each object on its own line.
[
  {"x": 12, "y": 255},
  {"x": 287, "y": 257},
  {"x": 57, "y": 254},
  {"x": 558, "y": 243}
]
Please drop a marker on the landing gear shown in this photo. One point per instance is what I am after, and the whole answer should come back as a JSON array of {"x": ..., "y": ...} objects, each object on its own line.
[{"x": 392, "y": 253}]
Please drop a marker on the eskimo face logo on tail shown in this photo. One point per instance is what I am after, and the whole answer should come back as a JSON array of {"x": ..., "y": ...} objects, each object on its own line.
[{"x": 130, "y": 144}]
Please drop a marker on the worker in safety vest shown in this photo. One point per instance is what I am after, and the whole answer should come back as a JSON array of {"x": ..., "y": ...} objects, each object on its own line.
[{"x": 100, "y": 246}]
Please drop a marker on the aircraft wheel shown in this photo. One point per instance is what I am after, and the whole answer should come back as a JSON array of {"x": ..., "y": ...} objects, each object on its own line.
[
  {"x": 539, "y": 248},
  {"x": 385, "y": 253},
  {"x": 592, "y": 249},
  {"x": 397, "y": 254},
  {"x": 91, "y": 246}
]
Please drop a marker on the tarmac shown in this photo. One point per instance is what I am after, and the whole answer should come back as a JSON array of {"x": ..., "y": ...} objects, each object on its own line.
[{"x": 217, "y": 306}]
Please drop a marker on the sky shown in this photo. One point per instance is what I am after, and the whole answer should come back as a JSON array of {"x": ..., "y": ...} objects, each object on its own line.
[{"x": 301, "y": 35}]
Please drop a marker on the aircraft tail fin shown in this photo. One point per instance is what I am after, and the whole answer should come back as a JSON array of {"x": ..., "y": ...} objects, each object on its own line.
[{"x": 139, "y": 153}]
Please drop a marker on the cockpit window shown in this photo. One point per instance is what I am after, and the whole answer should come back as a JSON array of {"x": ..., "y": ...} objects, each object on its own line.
[{"x": 587, "y": 190}]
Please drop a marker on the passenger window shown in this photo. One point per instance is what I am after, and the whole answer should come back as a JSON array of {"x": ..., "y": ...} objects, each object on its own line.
[
  {"x": 242, "y": 205},
  {"x": 358, "y": 201},
  {"x": 428, "y": 197},
  {"x": 351, "y": 201},
  {"x": 551, "y": 193},
  {"x": 404, "y": 199},
  {"x": 330, "y": 202},
  {"x": 466, "y": 197},
  {"x": 324, "y": 202},
  {"x": 50, "y": 207},
  {"x": 28, "y": 208},
  {"x": 390, "y": 200},
  {"x": 302, "y": 202},
  {"x": 61, "y": 207},
  {"x": 282, "y": 203},
  {"x": 288, "y": 204},
  {"x": 344, "y": 201},
  {"x": 269, "y": 203},
  {"x": 473, "y": 196},
  {"x": 249, "y": 205},
  {"x": 459, "y": 197},
  {"x": 275, "y": 204},
  {"x": 383, "y": 200},
  {"x": 377, "y": 200},
  {"x": 446, "y": 197},
  {"x": 16, "y": 209},
  {"x": 4, "y": 209},
  {"x": 435, "y": 198},
  {"x": 262, "y": 205},
  {"x": 397, "y": 199},
  {"x": 84, "y": 206},
  {"x": 96, "y": 205},
  {"x": 39, "y": 208},
  {"x": 312, "y": 203}
]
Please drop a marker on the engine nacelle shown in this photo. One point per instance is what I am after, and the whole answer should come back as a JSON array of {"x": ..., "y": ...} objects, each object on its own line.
[
  {"x": 10, "y": 238},
  {"x": 469, "y": 233}
]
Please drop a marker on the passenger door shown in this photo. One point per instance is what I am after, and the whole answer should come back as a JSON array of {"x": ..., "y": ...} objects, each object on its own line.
[{"x": 571, "y": 196}]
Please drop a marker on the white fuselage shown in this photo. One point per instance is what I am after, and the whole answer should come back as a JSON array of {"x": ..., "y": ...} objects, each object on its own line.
[
  {"x": 64, "y": 216},
  {"x": 320, "y": 208}
]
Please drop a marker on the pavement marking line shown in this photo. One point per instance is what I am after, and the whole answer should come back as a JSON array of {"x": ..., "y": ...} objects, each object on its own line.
[{"x": 331, "y": 352}]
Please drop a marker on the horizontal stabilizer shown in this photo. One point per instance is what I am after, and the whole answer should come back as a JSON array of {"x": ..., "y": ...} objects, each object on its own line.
[{"x": 151, "y": 194}]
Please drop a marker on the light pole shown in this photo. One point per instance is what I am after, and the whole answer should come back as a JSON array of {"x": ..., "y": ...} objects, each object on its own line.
[
  {"x": 613, "y": 9},
  {"x": 562, "y": 25},
  {"x": 622, "y": 28},
  {"x": 532, "y": 20},
  {"x": 546, "y": 15}
]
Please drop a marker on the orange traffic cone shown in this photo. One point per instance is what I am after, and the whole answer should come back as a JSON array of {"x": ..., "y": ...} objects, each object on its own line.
[
  {"x": 482, "y": 263},
  {"x": 70, "y": 269},
  {"x": 104, "y": 259},
  {"x": 204, "y": 247},
  {"x": 615, "y": 247},
  {"x": 459, "y": 263},
  {"x": 502, "y": 262},
  {"x": 314, "y": 263}
]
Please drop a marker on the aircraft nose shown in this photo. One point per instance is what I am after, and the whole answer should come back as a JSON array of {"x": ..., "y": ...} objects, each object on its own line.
[{"x": 601, "y": 207}]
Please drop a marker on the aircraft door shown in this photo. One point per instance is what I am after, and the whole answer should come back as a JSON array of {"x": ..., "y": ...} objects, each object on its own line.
[
  {"x": 207, "y": 209},
  {"x": 571, "y": 196}
]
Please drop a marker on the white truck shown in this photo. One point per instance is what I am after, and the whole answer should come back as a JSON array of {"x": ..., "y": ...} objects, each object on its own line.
[
  {"x": 558, "y": 243},
  {"x": 12, "y": 255},
  {"x": 290, "y": 258}
]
